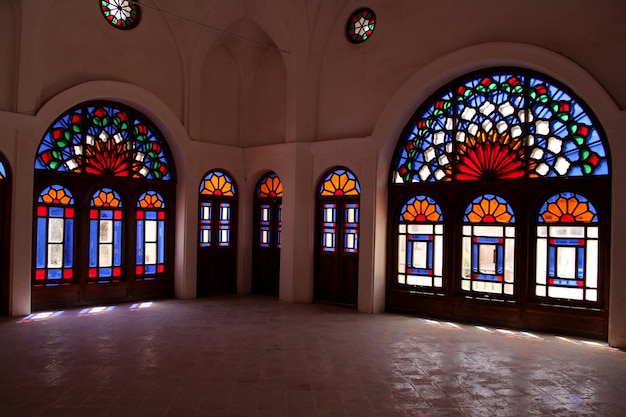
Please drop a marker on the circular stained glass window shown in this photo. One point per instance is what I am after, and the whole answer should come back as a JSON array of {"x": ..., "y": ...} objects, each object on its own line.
[
  {"x": 361, "y": 25},
  {"x": 123, "y": 14}
]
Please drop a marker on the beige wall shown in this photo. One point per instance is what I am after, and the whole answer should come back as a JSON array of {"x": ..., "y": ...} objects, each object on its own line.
[{"x": 257, "y": 85}]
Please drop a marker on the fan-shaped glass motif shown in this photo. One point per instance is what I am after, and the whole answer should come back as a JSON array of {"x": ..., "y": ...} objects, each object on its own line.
[
  {"x": 56, "y": 194},
  {"x": 122, "y": 14},
  {"x": 150, "y": 200},
  {"x": 270, "y": 187},
  {"x": 106, "y": 197},
  {"x": 421, "y": 209},
  {"x": 500, "y": 125},
  {"x": 217, "y": 183},
  {"x": 340, "y": 182},
  {"x": 104, "y": 139},
  {"x": 567, "y": 208},
  {"x": 489, "y": 208},
  {"x": 361, "y": 25}
]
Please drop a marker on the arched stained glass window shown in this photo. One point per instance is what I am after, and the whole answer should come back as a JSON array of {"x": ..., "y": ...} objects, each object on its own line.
[
  {"x": 488, "y": 246},
  {"x": 269, "y": 194},
  {"x": 500, "y": 125},
  {"x": 361, "y": 25},
  {"x": 54, "y": 253},
  {"x": 122, "y": 14},
  {"x": 270, "y": 187},
  {"x": 567, "y": 249},
  {"x": 150, "y": 235},
  {"x": 105, "y": 237},
  {"x": 104, "y": 139},
  {"x": 340, "y": 182},
  {"x": 420, "y": 243}
]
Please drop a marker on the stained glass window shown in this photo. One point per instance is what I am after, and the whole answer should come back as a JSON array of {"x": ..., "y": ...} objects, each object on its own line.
[
  {"x": 329, "y": 227},
  {"x": 150, "y": 235},
  {"x": 105, "y": 237},
  {"x": 54, "y": 257},
  {"x": 206, "y": 215},
  {"x": 340, "y": 182},
  {"x": 104, "y": 139},
  {"x": 488, "y": 246},
  {"x": 567, "y": 249},
  {"x": 270, "y": 187},
  {"x": 361, "y": 25},
  {"x": 122, "y": 14},
  {"x": 500, "y": 125},
  {"x": 420, "y": 244},
  {"x": 217, "y": 183}
]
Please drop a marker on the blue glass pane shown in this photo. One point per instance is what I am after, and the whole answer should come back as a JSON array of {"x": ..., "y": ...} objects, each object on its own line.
[
  {"x": 56, "y": 212},
  {"x": 68, "y": 250},
  {"x": 93, "y": 243},
  {"x": 140, "y": 242},
  {"x": 150, "y": 269},
  {"x": 42, "y": 241},
  {"x": 161, "y": 242},
  {"x": 3, "y": 171},
  {"x": 117, "y": 243},
  {"x": 151, "y": 215},
  {"x": 106, "y": 214},
  {"x": 105, "y": 272},
  {"x": 55, "y": 274}
]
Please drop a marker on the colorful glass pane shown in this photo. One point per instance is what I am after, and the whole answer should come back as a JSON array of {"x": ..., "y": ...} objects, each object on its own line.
[
  {"x": 104, "y": 140},
  {"x": 361, "y": 25},
  {"x": 54, "y": 246},
  {"x": 340, "y": 182},
  {"x": 122, "y": 14},
  {"x": 329, "y": 227},
  {"x": 489, "y": 208},
  {"x": 567, "y": 208},
  {"x": 106, "y": 197},
  {"x": 351, "y": 228},
  {"x": 500, "y": 125},
  {"x": 421, "y": 209},
  {"x": 105, "y": 237},
  {"x": 3, "y": 172},
  {"x": 150, "y": 249},
  {"x": 217, "y": 183},
  {"x": 270, "y": 186}
]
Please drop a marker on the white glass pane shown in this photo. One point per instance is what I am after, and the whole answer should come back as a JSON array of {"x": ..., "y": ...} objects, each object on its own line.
[
  {"x": 350, "y": 241},
  {"x": 401, "y": 279},
  {"x": 223, "y": 236},
  {"x": 401, "y": 254},
  {"x": 592, "y": 295},
  {"x": 55, "y": 256},
  {"x": 402, "y": 228},
  {"x": 567, "y": 231},
  {"x": 264, "y": 236},
  {"x": 350, "y": 215},
  {"x": 150, "y": 254},
  {"x": 265, "y": 214},
  {"x": 206, "y": 236},
  {"x": 106, "y": 231},
  {"x": 421, "y": 229},
  {"x": 438, "y": 282},
  {"x": 591, "y": 270},
  {"x": 420, "y": 255},
  {"x": 439, "y": 229},
  {"x": 569, "y": 293},
  {"x": 329, "y": 216},
  {"x": 508, "y": 289},
  {"x": 206, "y": 213},
  {"x": 489, "y": 231},
  {"x": 542, "y": 254},
  {"x": 487, "y": 259},
  {"x": 329, "y": 240},
  {"x": 225, "y": 213},
  {"x": 467, "y": 257},
  {"x": 490, "y": 287},
  {"x": 509, "y": 260},
  {"x": 55, "y": 230},
  {"x": 540, "y": 291},
  {"x": 542, "y": 231},
  {"x": 509, "y": 231},
  {"x": 566, "y": 262},
  {"x": 465, "y": 285},
  {"x": 419, "y": 280},
  {"x": 467, "y": 230},
  {"x": 151, "y": 231},
  {"x": 438, "y": 255},
  {"x": 105, "y": 256},
  {"x": 592, "y": 232}
]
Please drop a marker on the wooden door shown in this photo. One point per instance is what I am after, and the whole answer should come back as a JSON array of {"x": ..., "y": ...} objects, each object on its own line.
[{"x": 266, "y": 251}]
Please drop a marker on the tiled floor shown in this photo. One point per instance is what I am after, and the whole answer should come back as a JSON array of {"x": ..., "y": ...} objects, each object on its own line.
[{"x": 256, "y": 356}]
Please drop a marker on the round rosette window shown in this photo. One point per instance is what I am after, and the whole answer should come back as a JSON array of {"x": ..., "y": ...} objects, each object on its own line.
[
  {"x": 122, "y": 14},
  {"x": 361, "y": 25}
]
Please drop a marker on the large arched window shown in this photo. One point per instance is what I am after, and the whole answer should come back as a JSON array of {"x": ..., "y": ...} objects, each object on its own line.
[
  {"x": 337, "y": 237},
  {"x": 93, "y": 162},
  {"x": 217, "y": 250},
  {"x": 487, "y": 147}
]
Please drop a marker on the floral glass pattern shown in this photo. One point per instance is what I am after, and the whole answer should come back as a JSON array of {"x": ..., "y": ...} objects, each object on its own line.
[
  {"x": 361, "y": 25},
  {"x": 122, "y": 14},
  {"x": 54, "y": 252},
  {"x": 421, "y": 209},
  {"x": 567, "y": 208},
  {"x": 500, "y": 125},
  {"x": 217, "y": 183},
  {"x": 104, "y": 139},
  {"x": 340, "y": 182},
  {"x": 270, "y": 187}
]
